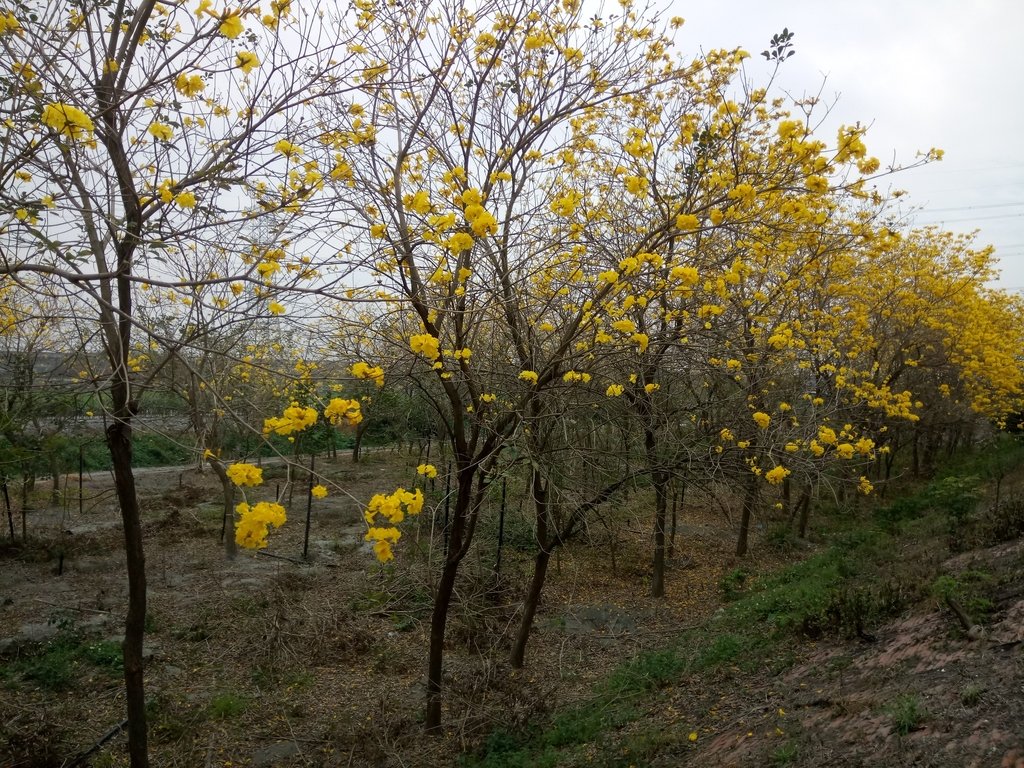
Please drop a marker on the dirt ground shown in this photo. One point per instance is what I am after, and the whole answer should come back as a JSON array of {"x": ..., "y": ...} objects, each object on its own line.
[
  {"x": 272, "y": 660},
  {"x": 918, "y": 692}
]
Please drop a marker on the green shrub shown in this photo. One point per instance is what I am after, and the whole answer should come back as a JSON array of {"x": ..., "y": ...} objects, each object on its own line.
[
  {"x": 226, "y": 705},
  {"x": 732, "y": 584},
  {"x": 645, "y": 672},
  {"x": 907, "y": 713}
]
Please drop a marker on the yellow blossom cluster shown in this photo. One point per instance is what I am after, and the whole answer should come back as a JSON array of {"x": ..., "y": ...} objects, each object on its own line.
[
  {"x": 393, "y": 508},
  {"x": 294, "y": 419},
  {"x": 426, "y": 345},
  {"x": 341, "y": 409},
  {"x": 383, "y": 538},
  {"x": 244, "y": 474},
  {"x": 70, "y": 122},
  {"x": 363, "y": 370},
  {"x": 254, "y": 523}
]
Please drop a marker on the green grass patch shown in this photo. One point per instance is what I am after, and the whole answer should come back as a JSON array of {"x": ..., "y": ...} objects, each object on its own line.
[
  {"x": 907, "y": 713},
  {"x": 226, "y": 705},
  {"x": 56, "y": 664},
  {"x": 869, "y": 568}
]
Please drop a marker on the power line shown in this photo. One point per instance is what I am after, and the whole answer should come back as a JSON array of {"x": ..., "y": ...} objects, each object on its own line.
[
  {"x": 970, "y": 207},
  {"x": 976, "y": 218}
]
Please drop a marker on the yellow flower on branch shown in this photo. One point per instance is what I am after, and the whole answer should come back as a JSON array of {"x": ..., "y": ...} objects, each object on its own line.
[
  {"x": 318, "y": 491},
  {"x": 426, "y": 345},
  {"x": 246, "y": 61},
  {"x": 294, "y": 419},
  {"x": 777, "y": 475},
  {"x": 287, "y": 149},
  {"x": 341, "y": 409},
  {"x": 254, "y": 521},
  {"x": 231, "y": 25},
  {"x": 244, "y": 474},
  {"x": 460, "y": 241},
  {"x": 418, "y": 202},
  {"x": 363, "y": 370},
  {"x": 827, "y": 435},
  {"x": 427, "y": 470},
  {"x": 68, "y": 121},
  {"x": 161, "y": 131},
  {"x": 189, "y": 85},
  {"x": 383, "y": 539},
  {"x": 687, "y": 222},
  {"x": 636, "y": 185},
  {"x": 762, "y": 419}
]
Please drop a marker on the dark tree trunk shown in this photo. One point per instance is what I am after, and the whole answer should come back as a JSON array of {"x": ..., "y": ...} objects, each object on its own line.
[
  {"x": 357, "y": 444},
  {"x": 804, "y": 506},
  {"x": 539, "y": 491},
  {"x": 119, "y": 441},
  {"x": 28, "y": 484},
  {"x": 435, "y": 663},
  {"x": 7, "y": 504},
  {"x": 227, "y": 530},
  {"x": 749, "y": 507},
  {"x": 540, "y": 572},
  {"x": 659, "y": 479},
  {"x": 55, "y": 471},
  {"x": 462, "y": 527},
  {"x": 915, "y": 457}
]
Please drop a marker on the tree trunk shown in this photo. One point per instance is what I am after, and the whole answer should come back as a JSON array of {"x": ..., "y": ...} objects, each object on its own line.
[
  {"x": 228, "y": 489},
  {"x": 461, "y": 531},
  {"x": 539, "y": 492},
  {"x": 677, "y": 495},
  {"x": 659, "y": 479},
  {"x": 540, "y": 572},
  {"x": 119, "y": 441},
  {"x": 7, "y": 504},
  {"x": 749, "y": 506},
  {"x": 358, "y": 443},
  {"x": 805, "y": 511},
  {"x": 55, "y": 471},
  {"x": 435, "y": 663}
]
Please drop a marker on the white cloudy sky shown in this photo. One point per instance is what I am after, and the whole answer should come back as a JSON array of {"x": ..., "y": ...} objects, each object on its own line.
[{"x": 923, "y": 73}]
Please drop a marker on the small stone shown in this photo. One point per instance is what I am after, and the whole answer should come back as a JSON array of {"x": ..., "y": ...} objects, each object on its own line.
[{"x": 275, "y": 752}]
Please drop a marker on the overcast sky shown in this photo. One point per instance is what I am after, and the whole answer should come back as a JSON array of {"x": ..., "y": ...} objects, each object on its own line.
[{"x": 924, "y": 74}]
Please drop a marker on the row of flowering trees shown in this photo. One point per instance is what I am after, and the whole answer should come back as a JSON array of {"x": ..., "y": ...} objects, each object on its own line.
[{"x": 550, "y": 225}]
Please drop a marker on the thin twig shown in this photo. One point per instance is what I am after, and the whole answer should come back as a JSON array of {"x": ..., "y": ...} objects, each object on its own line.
[
  {"x": 71, "y": 607},
  {"x": 82, "y": 757}
]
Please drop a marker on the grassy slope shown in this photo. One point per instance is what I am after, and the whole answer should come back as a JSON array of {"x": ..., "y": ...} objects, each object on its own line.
[{"x": 869, "y": 568}]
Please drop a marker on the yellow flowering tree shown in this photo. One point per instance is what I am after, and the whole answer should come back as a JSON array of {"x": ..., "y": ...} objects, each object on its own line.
[
  {"x": 469, "y": 183},
  {"x": 133, "y": 133}
]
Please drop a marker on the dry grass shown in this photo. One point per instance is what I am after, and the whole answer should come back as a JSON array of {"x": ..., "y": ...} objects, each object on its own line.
[{"x": 327, "y": 657}]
